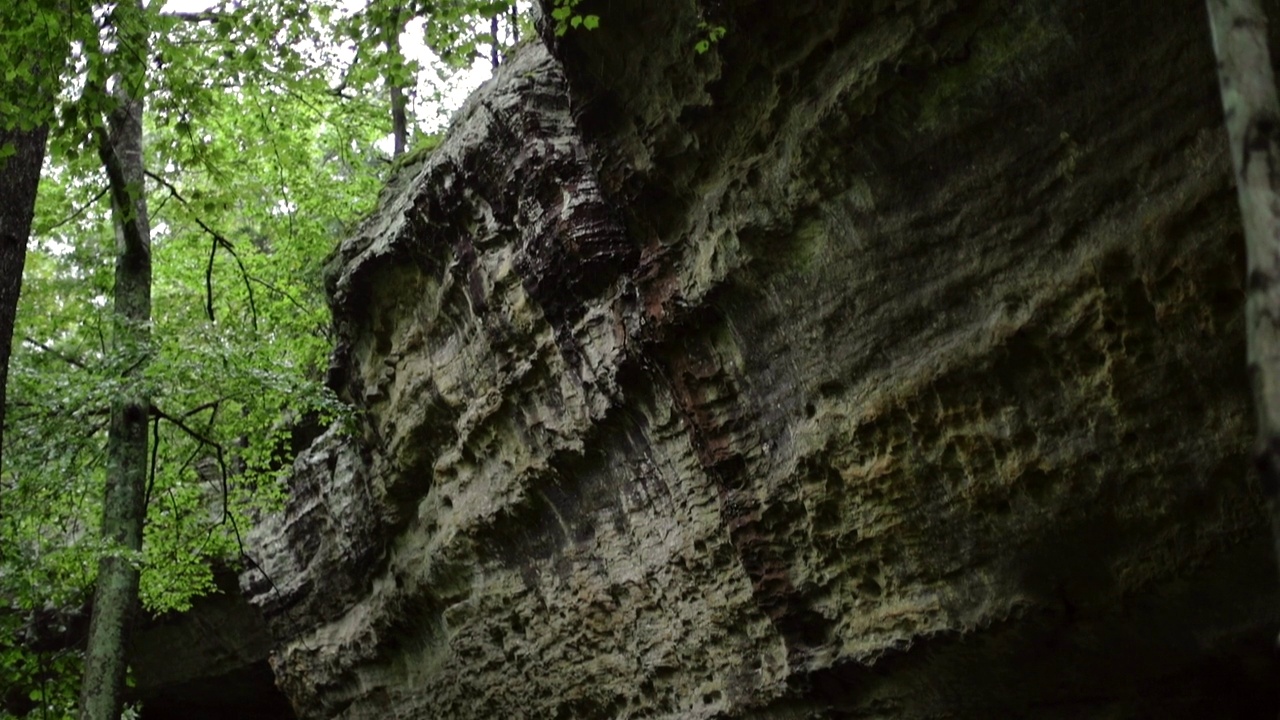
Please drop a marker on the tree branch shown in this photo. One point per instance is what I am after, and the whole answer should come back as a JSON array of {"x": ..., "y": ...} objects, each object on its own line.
[
  {"x": 207, "y": 442},
  {"x": 78, "y": 212},
  {"x": 219, "y": 241},
  {"x": 155, "y": 454},
  {"x": 56, "y": 353},
  {"x": 119, "y": 188},
  {"x": 211, "y": 405},
  {"x": 1252, "y": 113},
  {"x": 208, "y": 16}
]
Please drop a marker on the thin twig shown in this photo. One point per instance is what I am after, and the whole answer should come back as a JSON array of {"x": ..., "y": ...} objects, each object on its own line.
[
  {"x": 292, "y": 300},
  {"x": 155, "y": 452},
  {"x": 211, "y": 405},
  {"x": 56, "y": 353},
  {"x": 284, "y": 186},
  {"x": 208, "y": 280},
  {"x": 219, "y": 241},
  {"x": 78, "y": 212},
  {"x": 227, "y": 517},
  {"x": 217, "y": 447}
]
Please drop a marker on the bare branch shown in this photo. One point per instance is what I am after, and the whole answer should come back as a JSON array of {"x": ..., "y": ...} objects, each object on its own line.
[
  {"x": 207, "y": 442},
  {"x": 54, "y": 352},
  {"x": 219, "y": 241},
  {"x": 208, "y": 16},
  {"x": 155, "y": 453},
  {"x": 77, "y": 213},
  {"x": 208, "y": 279},
  {"x": 211, "y": 405}
]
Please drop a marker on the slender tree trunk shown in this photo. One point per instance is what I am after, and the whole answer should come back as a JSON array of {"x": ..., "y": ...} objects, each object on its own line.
[
  {"x": 124, "y": 509},
  {"x": 399, "y": 120},
  {"x": 494, "y": 58},
  {"x": 19, "y": 181},
  {"x": 1253, "y": 126},
  {"x": 399, "y": 103}
]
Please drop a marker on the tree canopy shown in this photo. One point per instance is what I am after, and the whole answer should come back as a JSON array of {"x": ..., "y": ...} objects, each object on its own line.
[{"x": 266, "y": 134}]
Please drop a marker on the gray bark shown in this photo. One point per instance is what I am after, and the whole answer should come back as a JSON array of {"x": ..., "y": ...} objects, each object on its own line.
[
  {"x": 1253, "y": 123},
  {"x": 124, "y": 508}
]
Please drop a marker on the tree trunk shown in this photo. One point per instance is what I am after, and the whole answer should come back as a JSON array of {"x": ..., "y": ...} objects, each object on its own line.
[
  {"x": 1253, "y": 126},
  {"x": 399, "y": 120},
  {"x": 31, "y": 97},
  {"x": 19, "y": 181},
  {"x": 394, "y": 77},
  {"x": 124, "y": 509},
  {"x": 494, "y": 58}
]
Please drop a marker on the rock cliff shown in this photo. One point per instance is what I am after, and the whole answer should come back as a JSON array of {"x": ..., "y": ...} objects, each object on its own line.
[{"x": 884, "y": 361}]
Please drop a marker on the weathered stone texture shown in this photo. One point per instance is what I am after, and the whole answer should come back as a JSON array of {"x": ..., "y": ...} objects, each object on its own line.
[{"x": 885, "y": 362}]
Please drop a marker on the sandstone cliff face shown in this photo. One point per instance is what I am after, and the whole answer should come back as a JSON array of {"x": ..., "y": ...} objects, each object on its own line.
[{"x": 883, "y": 362}]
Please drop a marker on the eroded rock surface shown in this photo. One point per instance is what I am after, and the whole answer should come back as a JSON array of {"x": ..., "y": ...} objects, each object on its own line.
[{"x": 884, "y": 362}]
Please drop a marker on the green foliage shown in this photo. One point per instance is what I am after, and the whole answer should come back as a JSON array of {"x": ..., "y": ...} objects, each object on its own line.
[
  {"x": 239, "y": 326},
  {"x": 710, "y": 35},
  {"x": 262, "y": 136},
  {"x": 49, "y": 679},
  {"x": 566, "y": 16},
  {"x": 35, "y": 36},
  {"x": 422, "y": 149},
  {"x": 458, "y": 29}
]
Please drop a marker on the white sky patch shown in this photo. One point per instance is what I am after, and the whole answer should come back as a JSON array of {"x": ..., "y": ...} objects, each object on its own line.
[{"x": 57, "y": 247}]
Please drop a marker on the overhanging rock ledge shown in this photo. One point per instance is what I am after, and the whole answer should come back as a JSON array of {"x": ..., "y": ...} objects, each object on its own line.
[{"x": 884, "y": 361}]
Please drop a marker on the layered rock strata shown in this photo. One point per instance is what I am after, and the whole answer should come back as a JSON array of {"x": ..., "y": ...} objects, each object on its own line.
[{"x": 885, "y": 361}]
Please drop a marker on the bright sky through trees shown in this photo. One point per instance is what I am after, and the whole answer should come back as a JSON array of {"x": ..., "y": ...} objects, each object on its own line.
[{"x": 430, "y": 114}]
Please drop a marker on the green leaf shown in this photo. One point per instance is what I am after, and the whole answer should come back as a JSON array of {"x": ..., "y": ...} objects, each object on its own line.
[
  {"x": 244, "y": 125},
  {"x": 591, "y": 22}
]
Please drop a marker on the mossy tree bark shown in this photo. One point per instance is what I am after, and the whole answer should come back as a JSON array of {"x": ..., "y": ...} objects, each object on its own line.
[
  {"x": 1253, "y": 126},
  {"x": 124, "y": 510}
]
